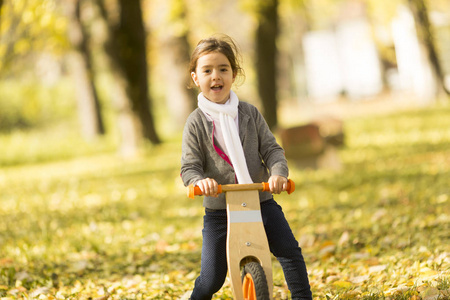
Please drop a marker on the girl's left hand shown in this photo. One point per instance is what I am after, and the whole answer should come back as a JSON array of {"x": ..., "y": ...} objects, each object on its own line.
[{"x": 277, "y": 184}]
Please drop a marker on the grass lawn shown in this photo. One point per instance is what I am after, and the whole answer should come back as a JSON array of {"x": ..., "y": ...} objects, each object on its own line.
[{"x": 78, "y": 222}]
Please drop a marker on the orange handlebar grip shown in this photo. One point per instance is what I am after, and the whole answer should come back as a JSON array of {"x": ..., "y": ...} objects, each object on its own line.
[
  {"x": 194, "y": 191},
  {"x": 290, "y": 187}
]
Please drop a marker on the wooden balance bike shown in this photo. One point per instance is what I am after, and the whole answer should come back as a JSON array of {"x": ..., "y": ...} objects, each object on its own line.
[{"x": 247, "y": 245}]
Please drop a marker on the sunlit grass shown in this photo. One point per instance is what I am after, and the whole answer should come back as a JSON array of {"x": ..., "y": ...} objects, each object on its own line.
[
  {"x": 79, "y": 222},
  {"x": 25, "y": 147}
]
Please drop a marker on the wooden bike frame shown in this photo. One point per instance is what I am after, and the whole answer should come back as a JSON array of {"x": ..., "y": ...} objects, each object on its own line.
[{"x": 246, "y": 236}]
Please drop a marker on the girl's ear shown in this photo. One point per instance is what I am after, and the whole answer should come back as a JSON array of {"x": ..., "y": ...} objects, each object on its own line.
[{"x": 195, "y": 78}]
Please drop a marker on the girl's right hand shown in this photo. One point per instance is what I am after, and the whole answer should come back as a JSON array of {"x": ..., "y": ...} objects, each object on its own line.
[{"x": 208, "y": 186}]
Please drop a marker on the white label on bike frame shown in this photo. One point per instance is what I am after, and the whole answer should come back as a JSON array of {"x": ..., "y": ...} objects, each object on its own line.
[{"x": 245, "y": 216}]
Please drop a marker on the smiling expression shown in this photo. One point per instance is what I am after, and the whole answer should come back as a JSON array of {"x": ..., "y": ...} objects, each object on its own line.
[{"x": 214, "y": 76}]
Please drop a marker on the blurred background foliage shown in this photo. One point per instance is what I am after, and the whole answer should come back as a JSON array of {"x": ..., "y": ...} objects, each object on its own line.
[{"x": 58, "y": 58}]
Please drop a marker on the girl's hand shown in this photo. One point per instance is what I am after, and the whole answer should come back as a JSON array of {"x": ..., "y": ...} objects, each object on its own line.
[
  {"x": 208, "y": 186},
  {"x": 277, "y": 184}
]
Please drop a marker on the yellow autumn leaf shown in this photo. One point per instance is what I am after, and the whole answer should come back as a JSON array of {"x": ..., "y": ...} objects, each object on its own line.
[
  {"x": 410, "y": 283},
  {"x": 430, "y": 291},
  {"x": 342, "y": 284}
]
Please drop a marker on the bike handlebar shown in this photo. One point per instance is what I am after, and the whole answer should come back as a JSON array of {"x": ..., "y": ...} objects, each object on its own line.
[{"x": 263, "y": 186}]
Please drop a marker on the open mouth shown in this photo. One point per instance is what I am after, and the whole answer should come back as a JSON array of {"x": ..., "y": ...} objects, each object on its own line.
[{"x": 217, "y": 87}]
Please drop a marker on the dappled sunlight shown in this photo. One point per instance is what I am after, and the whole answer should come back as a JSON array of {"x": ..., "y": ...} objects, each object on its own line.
[{"x": 101, "y": 225}]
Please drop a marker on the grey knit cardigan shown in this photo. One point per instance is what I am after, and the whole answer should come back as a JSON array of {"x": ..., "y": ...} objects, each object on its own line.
[{"x": 202, "y": 156}]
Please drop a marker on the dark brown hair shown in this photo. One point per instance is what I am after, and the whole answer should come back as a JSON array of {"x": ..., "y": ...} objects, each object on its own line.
[{"x": 222, "y": 44}]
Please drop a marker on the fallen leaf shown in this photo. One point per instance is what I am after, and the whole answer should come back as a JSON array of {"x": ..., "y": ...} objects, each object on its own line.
[
  {"x": 39, "y": 291},
  {"x": 345, "y": 237},
  {"x": 376, "y": 269},
  {"x": 342, "y": 284},
  {"x": 327, "y": 249},
  {"x": 332, "y": 278},
  {"x": 430, "y": 293},
  {"x": 360, "y": 279}
]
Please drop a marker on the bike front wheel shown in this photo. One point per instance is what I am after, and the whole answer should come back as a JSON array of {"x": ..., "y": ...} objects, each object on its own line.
[{"x": 254, "y": 282}]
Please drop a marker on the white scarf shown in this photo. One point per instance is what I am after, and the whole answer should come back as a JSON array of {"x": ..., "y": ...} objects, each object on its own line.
[{"x": 226, "y": 114}]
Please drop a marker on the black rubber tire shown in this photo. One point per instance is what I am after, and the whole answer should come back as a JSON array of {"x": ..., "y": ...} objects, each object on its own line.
[{"x": 259, "y": 279}]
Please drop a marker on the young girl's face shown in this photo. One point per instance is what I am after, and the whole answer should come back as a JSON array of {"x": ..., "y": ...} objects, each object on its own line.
[{"x": 214, "y": 76}]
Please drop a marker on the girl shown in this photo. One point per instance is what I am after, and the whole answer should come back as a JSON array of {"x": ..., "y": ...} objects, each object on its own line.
[{"x": 228, "y": 141}]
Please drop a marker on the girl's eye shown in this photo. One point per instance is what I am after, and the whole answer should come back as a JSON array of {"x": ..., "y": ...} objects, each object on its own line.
[{"x": 224, "y": 70}]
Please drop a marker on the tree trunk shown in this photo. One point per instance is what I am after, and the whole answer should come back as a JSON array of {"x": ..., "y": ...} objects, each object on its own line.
[
  {"x": 181, "y": 101},
  {"x": 266, "y": 52},
  {"x": 1, "y": 5},
  {"x": 127, "y": 50},
  {"x": 425, "y": 34},
  {"x": 133, "y": 59},
  {"x": 81, "y": 65},
  {"x": 174, "y": 61}
]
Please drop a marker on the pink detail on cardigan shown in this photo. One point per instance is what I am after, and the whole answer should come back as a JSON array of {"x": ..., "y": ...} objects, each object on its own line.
[{"x": 220, "y": 152}]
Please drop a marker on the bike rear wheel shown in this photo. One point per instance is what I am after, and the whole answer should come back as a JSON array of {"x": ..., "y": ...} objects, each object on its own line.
[{"x": 254, "y": 282}]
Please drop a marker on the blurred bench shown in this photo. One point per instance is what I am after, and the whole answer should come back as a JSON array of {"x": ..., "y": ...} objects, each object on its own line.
[{"x": 314, "y": 145}]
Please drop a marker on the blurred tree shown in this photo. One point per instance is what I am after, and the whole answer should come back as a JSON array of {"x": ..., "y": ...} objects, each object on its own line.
[
  {"x": 266, "y": 52},
  {"x": 32, "y": 42},
  {"x": 81, "y": 64},
  {"x": 175, "y": 55},
  {"x": 295, "y": 21},
  {"x": 381, "y": 14},
  {"x": 419, "y": 9},
  {"x": 126, "y": 47},
  {"x": 1, "y": 5},
  {"x": 28, "y": 29}
]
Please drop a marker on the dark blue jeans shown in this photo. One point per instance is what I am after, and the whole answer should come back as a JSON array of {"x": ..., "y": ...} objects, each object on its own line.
[{"x": 282, "y": 244}]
